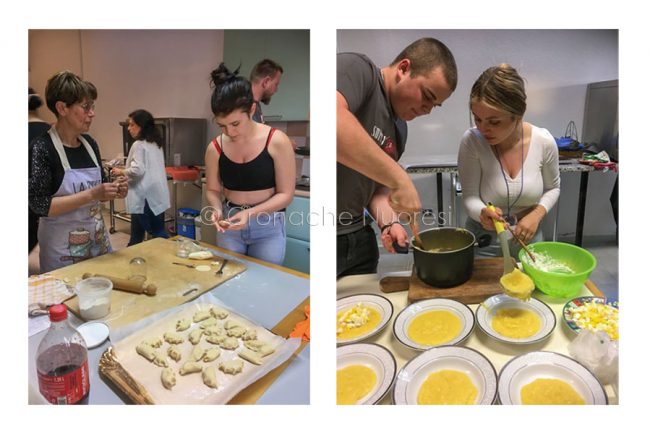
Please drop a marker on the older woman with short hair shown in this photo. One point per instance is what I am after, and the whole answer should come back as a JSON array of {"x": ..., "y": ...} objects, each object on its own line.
[{"x": 67, "y": 182}]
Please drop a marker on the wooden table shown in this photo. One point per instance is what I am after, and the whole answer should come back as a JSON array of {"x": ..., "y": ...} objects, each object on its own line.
[
  {"x": 498, "y": 353},
  {"x": 271, "y": 295}
]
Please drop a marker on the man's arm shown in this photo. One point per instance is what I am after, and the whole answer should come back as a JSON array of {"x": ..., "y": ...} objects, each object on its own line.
[{"x": 358, "y": 151}]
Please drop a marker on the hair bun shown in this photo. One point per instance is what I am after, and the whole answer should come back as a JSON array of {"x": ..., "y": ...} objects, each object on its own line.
[{"x": 223, "y": 75}]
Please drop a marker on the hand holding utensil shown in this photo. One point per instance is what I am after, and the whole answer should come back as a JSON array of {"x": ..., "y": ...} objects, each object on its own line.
[{"x": 523, "y": 245}]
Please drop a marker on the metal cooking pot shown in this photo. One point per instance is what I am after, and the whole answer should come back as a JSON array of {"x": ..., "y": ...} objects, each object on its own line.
[{"x": 446, "y": 257}]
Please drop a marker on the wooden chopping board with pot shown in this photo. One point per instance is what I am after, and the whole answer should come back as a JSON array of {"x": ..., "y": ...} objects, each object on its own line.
[
  {"x": 172, "y": 282},
  {"x": 483, "y": 284}
]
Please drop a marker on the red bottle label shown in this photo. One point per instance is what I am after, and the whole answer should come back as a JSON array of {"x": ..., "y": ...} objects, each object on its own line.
[{"x": 67, "y": 388}]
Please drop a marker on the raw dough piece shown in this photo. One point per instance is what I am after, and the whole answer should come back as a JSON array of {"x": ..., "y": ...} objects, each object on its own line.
[
  {"x": 153, "y": 342},
  {"x": 218, "y": 312},
  {"x": 209, "y": 375},
  {"x": 173, "y": 353},
  {"x": 190, "y": 368},
  {"x": 208, "y": 323},
  {"x": 159, "y": 359},
  {"x": 260, "y": 346},
  {"x": 250, "y": 335},
  {"x": 231, "y": 324},
  {"x": 168, "y": 378},
  {"x": 236, "y": 332},
  {"x": 201, "y": 316},
  {"x": 232, "y": 367},
  {"x": 202, "y": 268},
  {"x": 202, "y": 254},
  {"x": 195, "y": 336},
  {"x": 214, "y": 330},
  {"x": 183, "y": 324},
  {"x": 146, "y": 351},
  {"x": 229, "y": 343},
  {"x": 215, "y": 339},
  {"x": 197, "y": 353},
  {"x": 251, "y": 356},
  {"x": 211, "y": 354},
  {"x": 173, "y": 338}
]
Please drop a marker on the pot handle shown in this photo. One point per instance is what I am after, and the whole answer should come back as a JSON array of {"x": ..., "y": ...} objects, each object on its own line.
[
  {"x": 399, "y": 249},
  {"x": 484, "y": 240}
]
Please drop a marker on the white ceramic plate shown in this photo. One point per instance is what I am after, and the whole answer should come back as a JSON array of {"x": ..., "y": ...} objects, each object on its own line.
[
  {"x": 94, "y": 333},
  {"x": 528, "y": 367},
  {"x": 377, "y": 302},
  {"x": 486, "y": 311},
  {"x": 404, "y": 318},
  {"x": 471, "y": 362},
  {"x": 374, "y": 356}
]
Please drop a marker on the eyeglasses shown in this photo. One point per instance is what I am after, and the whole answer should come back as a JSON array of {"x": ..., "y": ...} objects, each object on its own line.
[{"x": 88, "y": 107}]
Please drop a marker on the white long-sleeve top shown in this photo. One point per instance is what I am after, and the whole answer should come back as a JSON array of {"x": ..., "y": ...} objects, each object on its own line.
[
  {"x": 145, "y": 169},
  {"x": 482, "y": 179}
]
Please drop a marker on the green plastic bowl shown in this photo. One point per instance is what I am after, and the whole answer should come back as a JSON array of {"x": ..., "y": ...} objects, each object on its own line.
[{"x": 558, "y": 284}]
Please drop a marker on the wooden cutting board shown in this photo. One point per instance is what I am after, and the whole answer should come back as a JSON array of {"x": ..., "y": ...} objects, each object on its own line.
[
  {"x": 484, "y": 283},
  {"x": 172, "y": 280}
]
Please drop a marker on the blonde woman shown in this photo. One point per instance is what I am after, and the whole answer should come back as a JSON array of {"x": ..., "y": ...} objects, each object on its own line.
[{"x": 505, "y": 160}]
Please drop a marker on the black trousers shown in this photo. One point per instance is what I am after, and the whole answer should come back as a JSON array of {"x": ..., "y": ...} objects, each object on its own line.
[{"x": 357, "y": 253}]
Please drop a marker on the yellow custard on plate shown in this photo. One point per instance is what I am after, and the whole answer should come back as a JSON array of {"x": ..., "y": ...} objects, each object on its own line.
[
  {"x": 516, "y": 323},
  {"x": 550, "y": 391},
  {"x": 447, "y": 387},
  {"x": 357, "y": 321},
  {"x": 353, "y": 383},
  {"x": 434, "y": 327}
]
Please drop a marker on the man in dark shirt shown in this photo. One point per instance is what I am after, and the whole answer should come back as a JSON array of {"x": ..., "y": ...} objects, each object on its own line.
[
  {"x": 372, "y": 107},
  {"x": 265, "y": 80}
]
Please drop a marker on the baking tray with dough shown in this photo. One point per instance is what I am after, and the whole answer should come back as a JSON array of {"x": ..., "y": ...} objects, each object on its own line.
[{"x": 140, "y": 379}]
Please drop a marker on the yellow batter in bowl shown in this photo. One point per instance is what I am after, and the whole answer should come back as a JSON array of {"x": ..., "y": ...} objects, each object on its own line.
[
  {"x": 516, "y": 323},
  {"x": 434, "y": 327},
  {"x": 550, "y": 391},
  {"x": 447, "y": 387},
  {"x": 353, "y": 383}
]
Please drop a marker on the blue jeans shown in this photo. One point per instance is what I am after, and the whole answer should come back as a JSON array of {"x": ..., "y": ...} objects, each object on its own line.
[
  {"x": 154, "y": 224},
  {"x": 263, "y": 238}
]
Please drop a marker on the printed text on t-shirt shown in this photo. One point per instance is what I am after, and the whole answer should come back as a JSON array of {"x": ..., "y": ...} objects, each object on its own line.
[{"x": 385, "y": 142}]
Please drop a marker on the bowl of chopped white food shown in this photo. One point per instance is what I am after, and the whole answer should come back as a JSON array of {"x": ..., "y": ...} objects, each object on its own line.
[
  {"x": 592, "y": 313},
  {"x": 559, "y": 269}
]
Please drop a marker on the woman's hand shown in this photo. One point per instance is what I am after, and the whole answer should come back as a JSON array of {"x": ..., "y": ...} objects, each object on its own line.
[
  {"x": 122, "y": 187},
  {"x": 216, "y": 217},
  {"x": 105, "y": 191},
  {"x": 237, "y": 222},
  {"x": 116, "y": 171},
  {"x": 395, "y": 232},
  {"x": 487, "y": 215},
  {"x": 527, "y": 227}
]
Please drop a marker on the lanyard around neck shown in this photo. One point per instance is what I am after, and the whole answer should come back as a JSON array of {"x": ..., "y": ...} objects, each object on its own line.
[{"x": 513, "y": 219}]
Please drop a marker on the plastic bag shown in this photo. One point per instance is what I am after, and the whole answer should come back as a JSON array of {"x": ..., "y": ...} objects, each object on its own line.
[
  {"x": 598, "y": 353},
  {"x": 569, "y": 142}
]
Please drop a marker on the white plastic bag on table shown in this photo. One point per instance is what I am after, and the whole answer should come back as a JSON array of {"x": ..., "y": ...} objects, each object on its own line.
[{"x": 598, "y": 352}]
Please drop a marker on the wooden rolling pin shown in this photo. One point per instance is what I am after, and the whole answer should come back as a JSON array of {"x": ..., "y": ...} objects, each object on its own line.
[{"x": 135, "y": 286}]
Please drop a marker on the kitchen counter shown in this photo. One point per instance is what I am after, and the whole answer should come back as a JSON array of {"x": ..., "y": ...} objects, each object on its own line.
[
  {"x": 270, "y": 295},
  {"x": 440, "y": 164},
  {"x": 498, "y": 353}
]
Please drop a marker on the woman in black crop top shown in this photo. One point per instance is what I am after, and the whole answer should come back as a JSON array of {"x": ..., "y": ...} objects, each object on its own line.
[{"x": 250, "y": 172}]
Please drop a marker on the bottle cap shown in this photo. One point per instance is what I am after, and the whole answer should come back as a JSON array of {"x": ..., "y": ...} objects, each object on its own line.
[{"x": 58, "y": 312}]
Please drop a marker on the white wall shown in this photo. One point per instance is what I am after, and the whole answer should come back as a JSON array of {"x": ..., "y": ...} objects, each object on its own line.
[
  {"x": 163, "y": 71},
  {"x": 557, "y": 66}
]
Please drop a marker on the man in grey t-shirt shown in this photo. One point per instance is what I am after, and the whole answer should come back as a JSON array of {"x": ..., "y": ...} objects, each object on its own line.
[{"x": 372, "y": 107}]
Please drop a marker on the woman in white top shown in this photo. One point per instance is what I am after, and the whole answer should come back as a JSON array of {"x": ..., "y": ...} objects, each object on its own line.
[
  {"x": 148, "y": 196},
  {"x": 506, "y": 161}
]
